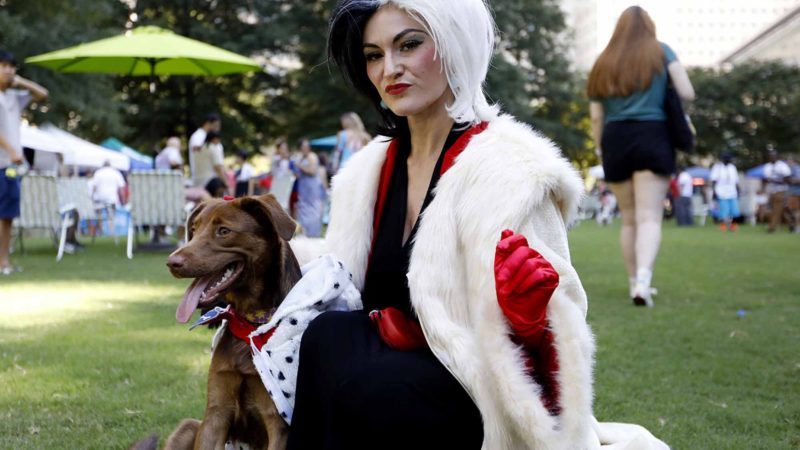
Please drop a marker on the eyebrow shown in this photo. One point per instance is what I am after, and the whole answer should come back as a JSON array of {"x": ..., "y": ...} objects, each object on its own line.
[{"x": 398, "y": 36}]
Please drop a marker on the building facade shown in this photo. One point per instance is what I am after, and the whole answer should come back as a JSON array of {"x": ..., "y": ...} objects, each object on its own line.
[{"x": 702, "y": 33}]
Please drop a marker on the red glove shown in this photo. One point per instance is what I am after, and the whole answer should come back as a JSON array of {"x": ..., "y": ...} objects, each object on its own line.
[
  {"x": 397, "y": 330},
  {"x": 524, "y": 281}
]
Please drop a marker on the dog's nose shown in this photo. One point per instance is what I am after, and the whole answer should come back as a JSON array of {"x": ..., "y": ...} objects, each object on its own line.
[{"x": 175, "y": 262}]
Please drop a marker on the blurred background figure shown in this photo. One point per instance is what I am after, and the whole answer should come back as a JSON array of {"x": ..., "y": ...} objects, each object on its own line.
[
  {"x": 309, "y": 191},
  {"x": 349, "y": 140},
  {"x": 777, "y": 175},
  {"x": 245, "y": 183},
  {"x": 209, "y": 164},
  {"x": 725, "y": 184},
  {"x": 169, "y": 158},
  {"x": 627, "y": 86},
  {"x": 683, "y": 201},
  {"x": 107, "y": 186},
  {"x": 15, "y": 94},
  {"x": 197, "y": 140},
  {"x": 281, "y": 162}
]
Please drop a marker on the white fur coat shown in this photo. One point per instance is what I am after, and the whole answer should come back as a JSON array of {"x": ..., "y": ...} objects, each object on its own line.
[{"x": 511, "y": 177}]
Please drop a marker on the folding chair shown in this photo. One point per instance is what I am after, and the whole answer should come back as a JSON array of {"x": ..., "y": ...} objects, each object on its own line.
[
  {"x": 74, "y": 193},
  {"x": 156, "y": 199},
  {"x": 282, "y": 189},
  {"x": 39, "y": 208}
]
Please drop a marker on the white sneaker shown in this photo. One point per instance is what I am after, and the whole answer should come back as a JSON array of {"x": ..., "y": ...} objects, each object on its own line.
[{"x": 643, "y": 295}]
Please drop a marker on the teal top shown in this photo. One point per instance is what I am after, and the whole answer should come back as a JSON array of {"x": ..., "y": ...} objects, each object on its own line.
[{"x": 641, "y": 105}]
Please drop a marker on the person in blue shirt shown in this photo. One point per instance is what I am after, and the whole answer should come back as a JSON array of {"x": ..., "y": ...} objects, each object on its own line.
[{"x": 627, "y": 86}]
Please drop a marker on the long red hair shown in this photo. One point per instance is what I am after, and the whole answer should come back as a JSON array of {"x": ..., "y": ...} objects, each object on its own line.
[{"x": 631, "y": 58}]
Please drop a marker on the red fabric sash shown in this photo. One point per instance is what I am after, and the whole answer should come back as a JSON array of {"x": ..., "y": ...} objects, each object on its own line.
[{"x": 391, "y": 157}]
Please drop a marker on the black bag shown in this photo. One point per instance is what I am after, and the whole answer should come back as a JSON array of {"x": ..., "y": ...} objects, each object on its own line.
[{"x": 680, "y": 132}]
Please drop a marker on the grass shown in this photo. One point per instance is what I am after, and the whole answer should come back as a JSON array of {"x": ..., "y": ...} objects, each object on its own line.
[{"x": 91, "y": 356}]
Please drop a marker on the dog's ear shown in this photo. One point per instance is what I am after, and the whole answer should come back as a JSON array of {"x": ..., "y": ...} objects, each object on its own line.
[
  {"x": 267, "y": 210},
  {"x": 189, "y": 228}
]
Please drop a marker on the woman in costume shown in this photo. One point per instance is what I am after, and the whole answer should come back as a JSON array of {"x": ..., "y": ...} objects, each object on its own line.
[
  {"x": 627, "y": 86},
  {"x": 438, "y": 218}
]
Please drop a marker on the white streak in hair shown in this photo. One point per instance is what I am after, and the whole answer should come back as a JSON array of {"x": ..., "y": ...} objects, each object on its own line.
[{"x": 463, "y": 32}]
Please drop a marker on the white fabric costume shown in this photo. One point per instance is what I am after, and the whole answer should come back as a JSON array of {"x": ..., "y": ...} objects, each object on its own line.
[{"x": 508, "y": 177}]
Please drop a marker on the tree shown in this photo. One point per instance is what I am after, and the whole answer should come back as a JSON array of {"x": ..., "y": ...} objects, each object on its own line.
[
  {"x": 88, "y": 102},
  {"x": 747, "y": 110},
  {"x": 531, "y": 77}
]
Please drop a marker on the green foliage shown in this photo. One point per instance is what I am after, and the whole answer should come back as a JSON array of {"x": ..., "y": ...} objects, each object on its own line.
[
  {"x": 87, "y": 102},
  {"x": 746, "y": 110},
  {"x": 530, "y": 79}
]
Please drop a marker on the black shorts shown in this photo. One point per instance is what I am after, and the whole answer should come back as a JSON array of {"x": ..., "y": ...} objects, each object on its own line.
[{"x": 630, "y": 145}]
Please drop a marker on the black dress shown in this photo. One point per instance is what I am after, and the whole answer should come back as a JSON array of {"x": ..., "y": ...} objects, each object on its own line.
[{"x": 355, "y": 392}]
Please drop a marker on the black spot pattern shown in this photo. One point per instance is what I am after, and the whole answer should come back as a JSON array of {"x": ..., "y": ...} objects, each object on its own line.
[
  {"x": 280, "y": 376},
  {"x": 336, "y": 285},
  {"x": 286, "y": 394},
  {"x": 283, "y": 414},
  {"x": 293, "y": 321},
  {"x": 289, "y": 359}
]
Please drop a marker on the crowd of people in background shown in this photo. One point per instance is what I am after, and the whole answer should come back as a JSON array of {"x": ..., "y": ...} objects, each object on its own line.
[{"x": 309, "y": 171}]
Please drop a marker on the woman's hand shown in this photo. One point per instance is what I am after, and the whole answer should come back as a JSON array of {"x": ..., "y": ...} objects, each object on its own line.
[{"x": 524, "y": 282}]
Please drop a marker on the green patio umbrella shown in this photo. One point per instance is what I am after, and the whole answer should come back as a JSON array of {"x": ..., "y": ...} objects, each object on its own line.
[{"x": 146, "y": 51}]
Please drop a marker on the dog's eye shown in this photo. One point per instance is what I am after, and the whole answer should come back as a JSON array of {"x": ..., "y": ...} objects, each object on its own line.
[{"x": 222, "y": 231}]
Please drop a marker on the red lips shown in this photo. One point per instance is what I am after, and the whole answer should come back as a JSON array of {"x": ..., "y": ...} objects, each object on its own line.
[{"x": 396, "y": 89}]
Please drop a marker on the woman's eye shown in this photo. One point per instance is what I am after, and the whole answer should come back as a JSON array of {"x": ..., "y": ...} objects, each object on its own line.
[
  {"x": 373, "y": 56},
  {"x": 222, "y": 231},
  {"x": 410, "y": 44}
]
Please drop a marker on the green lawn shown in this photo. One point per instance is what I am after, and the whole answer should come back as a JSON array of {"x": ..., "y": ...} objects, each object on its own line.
[{"x": 91, "y": 355}]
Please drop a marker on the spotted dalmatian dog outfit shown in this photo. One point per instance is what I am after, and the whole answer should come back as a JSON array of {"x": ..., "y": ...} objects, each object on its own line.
[{"x": 326, "y": 285}]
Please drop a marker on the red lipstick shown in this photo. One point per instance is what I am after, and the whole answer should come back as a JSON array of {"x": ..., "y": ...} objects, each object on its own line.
[{"x": 397, "y": 89}]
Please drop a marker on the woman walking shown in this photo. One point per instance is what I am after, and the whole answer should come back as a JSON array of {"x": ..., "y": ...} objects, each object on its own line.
[{"x": 627, "y": 86}]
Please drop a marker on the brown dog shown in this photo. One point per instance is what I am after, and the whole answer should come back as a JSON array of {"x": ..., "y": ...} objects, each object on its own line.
[{"x": 238, "y": 252}]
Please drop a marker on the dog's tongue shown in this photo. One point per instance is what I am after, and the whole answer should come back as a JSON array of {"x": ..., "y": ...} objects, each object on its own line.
[{"x": 191, "y": 299}]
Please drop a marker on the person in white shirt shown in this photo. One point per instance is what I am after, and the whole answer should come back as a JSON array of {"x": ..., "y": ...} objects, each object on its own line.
[
  {"x": 198, "y": 139},
  {"x": 776, "y": 183},
  {"x": 209, "y": 164},
  {"x": 15, "y": 94},
  {"x": 107, "y": 186},
  {"x": 170, "y": 156},
  {"x": 725, "y": 182},
  {"x": 683, "y": 204},
  {"x": 244, "y": 175}
]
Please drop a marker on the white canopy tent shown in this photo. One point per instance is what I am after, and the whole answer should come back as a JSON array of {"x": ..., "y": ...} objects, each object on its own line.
[
  {"x": 38, "y": 139},
  {"x": 76, "y": 151}
]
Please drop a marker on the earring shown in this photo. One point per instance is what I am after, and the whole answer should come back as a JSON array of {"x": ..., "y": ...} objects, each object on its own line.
[{"x": 383, "y": 105}]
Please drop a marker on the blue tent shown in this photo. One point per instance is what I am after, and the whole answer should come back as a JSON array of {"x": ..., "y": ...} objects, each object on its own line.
[
  {"x": 327, "y": 143},
  {"x": 756, "y": 172},
  {"x": 138, "y": 160},
  {"x": 699, "y": 172}
]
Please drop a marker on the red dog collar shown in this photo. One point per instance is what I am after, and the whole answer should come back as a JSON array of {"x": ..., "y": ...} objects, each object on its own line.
[{"x": 238, "y": 325}]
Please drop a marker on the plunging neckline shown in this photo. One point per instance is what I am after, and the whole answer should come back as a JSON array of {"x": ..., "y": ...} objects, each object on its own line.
[{"x": 386, "y": 284}]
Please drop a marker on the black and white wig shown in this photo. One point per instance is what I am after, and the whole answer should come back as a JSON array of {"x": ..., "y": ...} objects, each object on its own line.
[{"x": 463, "y": 32}]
